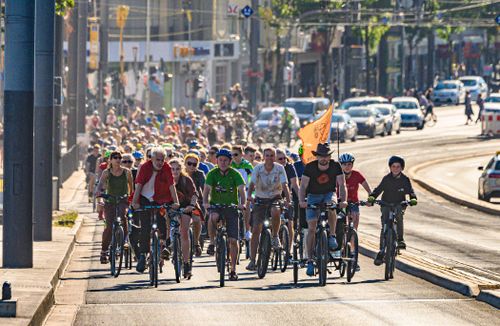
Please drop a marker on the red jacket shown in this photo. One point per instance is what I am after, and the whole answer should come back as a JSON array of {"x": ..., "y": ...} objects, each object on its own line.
[{"x": 163, "y": 181}]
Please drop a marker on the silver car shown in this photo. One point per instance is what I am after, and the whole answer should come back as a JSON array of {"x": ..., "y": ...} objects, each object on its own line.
[
  {"x": 343, "y": 127},
  {"x": 475, "y": 85},
  {"x": 489, "y": 181},
  {"x": 448, "y": 92},
  {"x": 391, "y": 116}
]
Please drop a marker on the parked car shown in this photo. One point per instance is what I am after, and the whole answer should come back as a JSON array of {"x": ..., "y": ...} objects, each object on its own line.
[
  {"x": 308, "y": 109},
  {"x": 489, "y": 181},
  {"x": 261, "y": 124},
  {"x": 448, "y": 92},
  {"x": 343, "y": 127},
  {"x": 391, "y": 116},
  {"x": 410, "y": 110},
  {"x": 493, "y": 98},
  {"x": 369, "y": 121},
  {"x": 361, "y": 101},
  {"x": 475, "y": 85}
]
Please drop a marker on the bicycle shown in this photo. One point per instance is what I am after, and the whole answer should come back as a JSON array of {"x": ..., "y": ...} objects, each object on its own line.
[
  {"x": 298, "y": 260},
  {"x": 131, "y": 249},
  {"x": 430, "y": 119},
  {"x": 243, "y": 242},
  {"x": 265, "y": 237},
  {"x": 116, "y": 247},
  {"x": 222, "y": 257},
  {"x": 348, "y": 260},
  {"x": 390, "y": 236},
  {"x": 154, "y": 265},
  {"x": 281, "y": 256},
  {"x": 175, "y": 240},
  {"x": 322, "y": 251}
]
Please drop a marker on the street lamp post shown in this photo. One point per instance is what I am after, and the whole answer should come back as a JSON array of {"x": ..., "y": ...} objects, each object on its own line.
[{"x": 121, "y": 19}]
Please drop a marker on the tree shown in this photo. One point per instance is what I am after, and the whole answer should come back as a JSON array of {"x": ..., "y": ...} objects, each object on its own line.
[
  {"x": 446, "y": 33},
  {"x": 63, "y": 5}
]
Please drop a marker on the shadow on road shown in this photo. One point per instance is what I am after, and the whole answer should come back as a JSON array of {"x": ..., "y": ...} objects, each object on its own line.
[{"x": 205, "y": 287}]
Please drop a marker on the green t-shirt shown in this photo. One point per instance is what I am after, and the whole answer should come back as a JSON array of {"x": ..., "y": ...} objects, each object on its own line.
[
  {"x": 224, "y": 187},
  {"x": 244, "y": 168}
]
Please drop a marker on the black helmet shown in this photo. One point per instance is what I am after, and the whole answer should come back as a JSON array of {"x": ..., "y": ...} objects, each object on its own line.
[{"x": 397, "y": 159}]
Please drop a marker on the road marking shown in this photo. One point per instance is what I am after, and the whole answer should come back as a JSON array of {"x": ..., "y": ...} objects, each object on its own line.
[{"x": 266, "y": 303}]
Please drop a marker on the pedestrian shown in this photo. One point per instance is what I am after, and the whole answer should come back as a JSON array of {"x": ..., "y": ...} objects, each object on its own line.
[
  {"x": 480, "y": 103},
  {"x": 468, "y": 108}
]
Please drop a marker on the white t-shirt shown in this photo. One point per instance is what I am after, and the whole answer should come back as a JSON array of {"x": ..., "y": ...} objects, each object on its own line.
[
  {"x": 268, "y": 184},
  {"x": 148, "y": 190}
]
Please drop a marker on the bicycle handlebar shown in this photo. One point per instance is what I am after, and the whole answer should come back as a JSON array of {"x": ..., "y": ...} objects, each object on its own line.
[
  {"x": 109, "y": 196},
  {"x": 330, "y": 206}
]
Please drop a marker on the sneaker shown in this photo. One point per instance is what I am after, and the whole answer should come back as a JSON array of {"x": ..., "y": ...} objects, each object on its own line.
[
  {"x": 165, "y": 253},
  {"x": 251, "y": 266},
  {"x": 358, "y": 268},
  {"x": 187, "y": 271},
  {"x": 197, "y": 250},
  {"x": 310, "y": 269},
  {"x": 141, "y": 264},
  {"x": 275, "y": 243},
  {"x": 401, "y": 244},
  {"x": 211, "y": 250},
  {"x": 332, "y": 242},
  {"x": 233, "y": 276},
  {"x": 104, "y": 257},
  {"x": 248, "y": 235},
  {"x": 336, "y": 254},
  {"x": 379, "y": 259}
]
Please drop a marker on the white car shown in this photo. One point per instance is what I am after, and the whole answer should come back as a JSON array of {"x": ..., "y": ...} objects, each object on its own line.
[
  {"x": 361, "y": 101},
  {"x": 410, "y": 110},
  {"x": 475, "y": 85},
  {"x": 449, "y": 92}
]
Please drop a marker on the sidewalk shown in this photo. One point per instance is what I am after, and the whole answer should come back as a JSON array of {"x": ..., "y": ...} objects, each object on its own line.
[{"x": 33, "y": 288}]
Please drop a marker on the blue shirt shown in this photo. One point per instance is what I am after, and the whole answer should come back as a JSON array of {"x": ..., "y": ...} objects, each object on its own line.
[
  {"x": 299, "y": 168},
  {"x": 203, "y": 167}
]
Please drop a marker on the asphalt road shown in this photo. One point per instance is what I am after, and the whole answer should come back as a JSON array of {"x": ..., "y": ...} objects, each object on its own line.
[
  {"x": 461, "y": 176},
  {"x": 461, "y": 237}
]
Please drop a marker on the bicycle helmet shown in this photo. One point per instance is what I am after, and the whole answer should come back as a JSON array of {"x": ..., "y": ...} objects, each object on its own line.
[
  {"x": 107, "y": 154},
  {"x": 224, "y": 152},
  {"x": 397, "y": 159},
  {"x": 301, "y": 150},
  {"x": 346, "y": 158},
  {"x": 138, "y": 155}
]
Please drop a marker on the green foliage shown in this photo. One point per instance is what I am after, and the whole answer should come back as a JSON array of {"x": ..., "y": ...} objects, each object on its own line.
[
  {"x": 63, "y": 5},
  {"x": 375, "y": 33},
  {"x": 447, "y": 31}
]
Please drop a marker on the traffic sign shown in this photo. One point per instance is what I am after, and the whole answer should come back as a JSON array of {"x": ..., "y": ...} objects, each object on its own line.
[
  {"x": 247, "y": 11},
  {"x": 497, "y": 19}
]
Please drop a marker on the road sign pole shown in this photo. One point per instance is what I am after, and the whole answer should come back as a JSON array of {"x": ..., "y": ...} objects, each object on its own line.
[
  {"x": 254, "y": 54},
  {"x": 44, "y": 105},
  {"x": 18, "y": 141}
]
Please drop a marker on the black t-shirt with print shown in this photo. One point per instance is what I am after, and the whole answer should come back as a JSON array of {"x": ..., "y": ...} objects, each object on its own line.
[{"x": 322, "y": 182}]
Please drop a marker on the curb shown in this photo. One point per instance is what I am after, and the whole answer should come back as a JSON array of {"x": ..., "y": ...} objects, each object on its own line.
[
  {"x": 49, "y": 300},
  {"x": 479, "y": 291},
  {"x": 452, "y": 196}
]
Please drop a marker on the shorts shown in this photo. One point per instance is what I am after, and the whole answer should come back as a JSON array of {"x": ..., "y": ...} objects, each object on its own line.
[
  {"x": 260, "y": 211},
  {"x": 232, "y": 221},
  {"x": 354, "y": 209},
  {"x": 315, "y": 199}
]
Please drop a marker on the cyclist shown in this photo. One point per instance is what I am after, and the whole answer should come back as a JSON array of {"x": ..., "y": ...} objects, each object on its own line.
[
  {"x": 245, "y": 168},
  {"x": 353, "y": 179},
  {"x": 286, "y": 126},
  {"x": 394, "y": 187},
  {"x": 320, "y": 181},
  {"x": 154, "y": 185},
  {"x": 191, "y": 165},
  {"x": 225, "y": 186},
  {"x": 90, "y": 168},
  {"x": 250, "y": 155},
  {"x": 269, "y": 182},
  {"x": 116, "y": 181},
  {"x": 188, "y": 199},
  {"x": 293, "y": 184}
]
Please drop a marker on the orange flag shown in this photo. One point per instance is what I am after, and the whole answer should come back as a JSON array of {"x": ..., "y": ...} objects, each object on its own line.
[{"x": 315, "y": 133}]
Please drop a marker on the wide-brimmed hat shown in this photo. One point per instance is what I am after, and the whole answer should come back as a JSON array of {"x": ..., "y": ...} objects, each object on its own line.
[{"x": 322, "y": 150}]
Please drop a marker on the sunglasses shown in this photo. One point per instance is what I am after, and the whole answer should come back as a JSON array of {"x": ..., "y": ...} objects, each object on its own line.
[
  {"x": 116, "y": 157},
  {"x": 191, "y": 163},
  {"x": 235, "y": 154},
  {"x": 281, "y": 159},
  {"x": 126, "y": 162}
]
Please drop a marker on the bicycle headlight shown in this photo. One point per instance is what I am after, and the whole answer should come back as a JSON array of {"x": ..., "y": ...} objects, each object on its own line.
[
  {"x": 266, "y": 223},
  {"x": 154, "y": 226},
  {"x": 323, "y": 223}
]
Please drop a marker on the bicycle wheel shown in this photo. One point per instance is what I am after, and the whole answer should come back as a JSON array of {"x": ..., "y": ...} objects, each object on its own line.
[
  {"x": 154, "y": 255},
  {"x": 191, "y": 251},
  {"x": 264, "y": 253},
  {"x": 221, "y": 252},
  {"x": 120, "y": 241},
  {"x": 112, "y": 252},
  {"x": 322, "y": 256},
  {"x": 177, "y": 257},
  {"x": 295, "y": 260},
  {"x": 352, "y": 245},
  {"x": 394, "y": 253},
  {"x": 285, "y": 248},
  {"x": 389, "y": 249}
]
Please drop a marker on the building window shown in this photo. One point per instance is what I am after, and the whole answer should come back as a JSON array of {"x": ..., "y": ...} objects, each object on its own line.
[{"x": 220, "y": 81}]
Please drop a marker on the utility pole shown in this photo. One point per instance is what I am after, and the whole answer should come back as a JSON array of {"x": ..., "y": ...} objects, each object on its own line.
[
  {"x": 103, "y": 53},
  {"x": 254, "y": 58},
  {"x": 72, "y": 81},
  {"x": 44, "y": 101},
  {"x": 82, "y": 64},
  {"x": 18, "y": 141},
  {"x": 58, "y": 102},
  {"x": 148, "y": 51}
]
